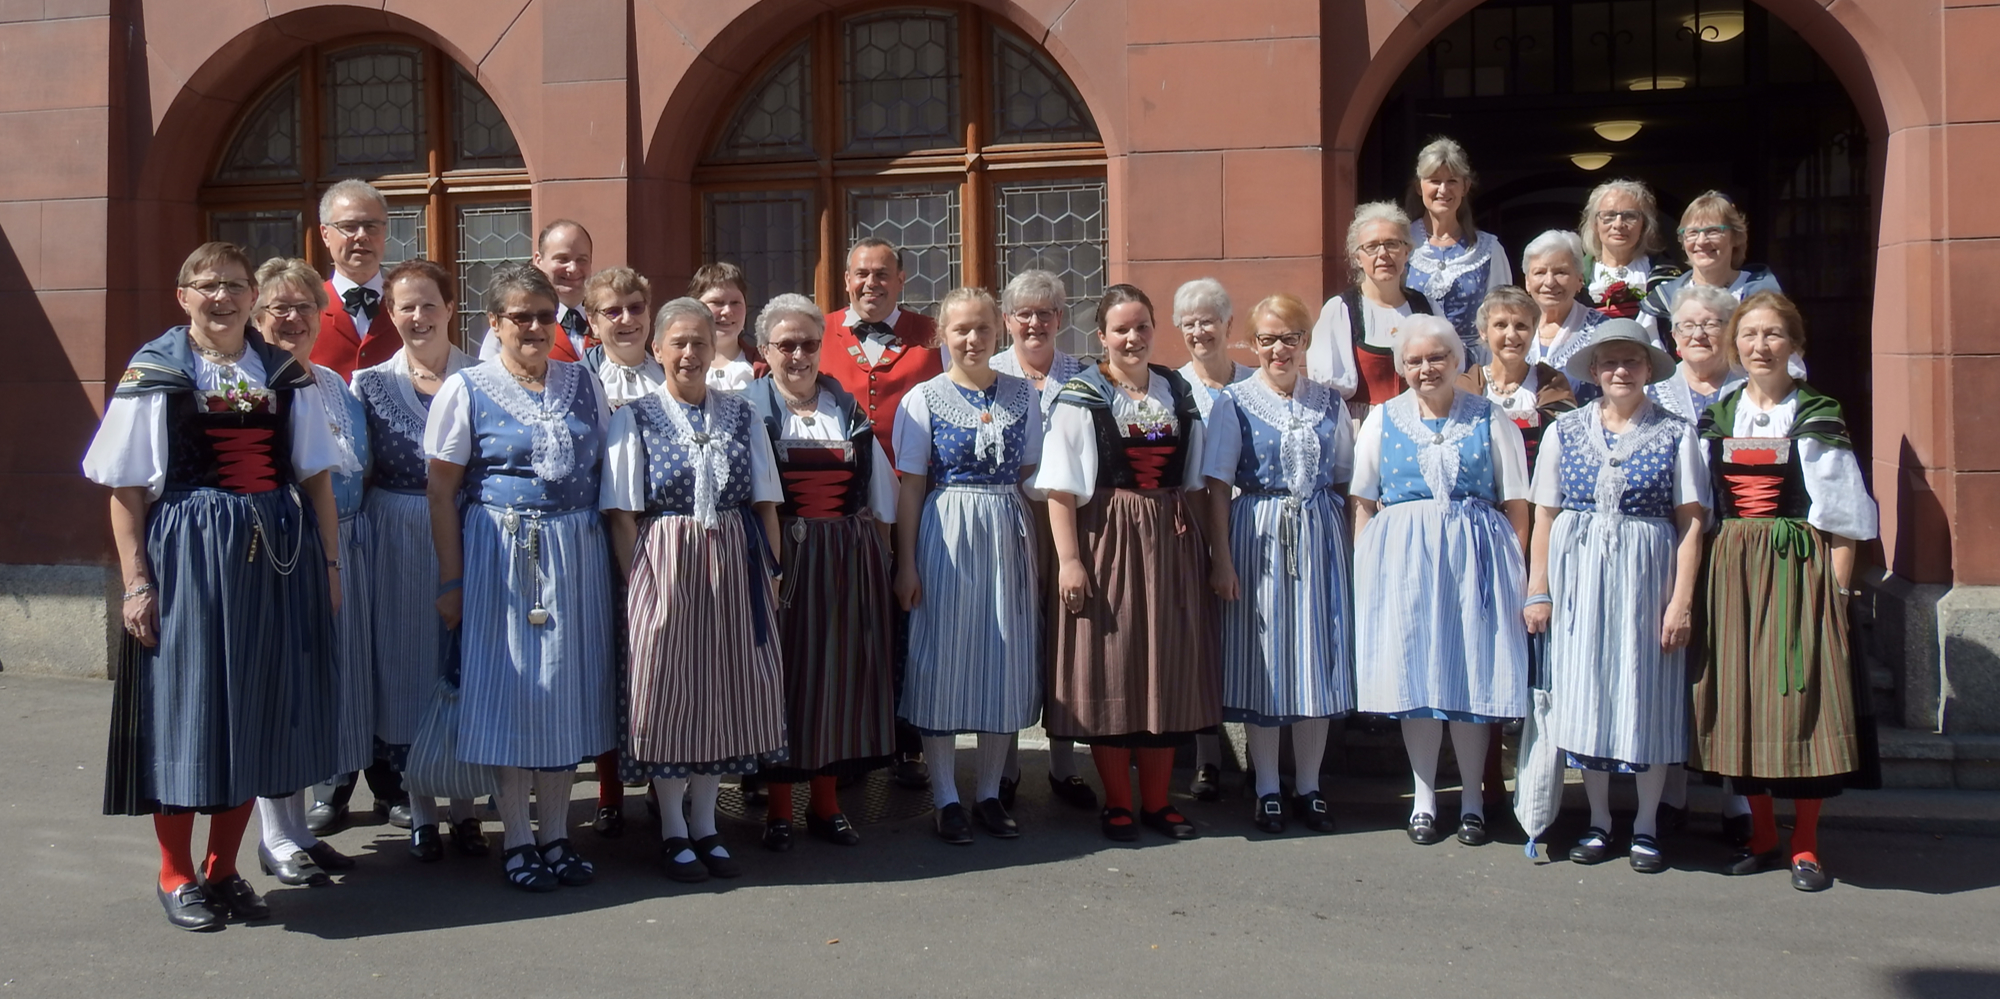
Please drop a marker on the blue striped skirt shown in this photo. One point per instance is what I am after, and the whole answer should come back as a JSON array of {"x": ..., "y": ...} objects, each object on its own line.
[
  {"x": 535, "y": 695},
  {"x": 1617, "y": 696},
  {"x": 239, "y": 698},
  {"x": 410, "y": 637},
  {"x": 975, "y": 637},
  {"x": 354, "y": 649},
  {"x": 1438, "y": 588},
  {"x": 1286, "y": 652}
]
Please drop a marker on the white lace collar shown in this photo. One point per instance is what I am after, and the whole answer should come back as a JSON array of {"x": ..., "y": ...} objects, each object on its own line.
[
  {"x": 1437, "y": 450},
  {"x": 1297, "y": 422},
  {"x": 339, "y": 418},
  {"x": 547, "y": 418},
  {"x": 708, "y": 448},
  {"x": 1649, "y": 425},
  {"x": 1011, "y": 398}
]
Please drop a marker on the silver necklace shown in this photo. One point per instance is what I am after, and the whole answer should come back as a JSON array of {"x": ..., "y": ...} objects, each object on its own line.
[{"x": 215, "y": 355}]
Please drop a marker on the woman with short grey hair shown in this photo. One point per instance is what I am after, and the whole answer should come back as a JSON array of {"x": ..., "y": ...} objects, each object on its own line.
[
  {"x": 1453, "y": 263},
  {"x": 1621, "y": 233},
  {"x": 1353, "y": 343},
  {"x": 1552, "y": 270},
  {"x": 1704, "y": 374}
]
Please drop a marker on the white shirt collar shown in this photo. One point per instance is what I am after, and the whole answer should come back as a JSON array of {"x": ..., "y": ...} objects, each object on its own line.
[
  {"x": 341, "y": 284},
  {"x": 853, "y": 319}
]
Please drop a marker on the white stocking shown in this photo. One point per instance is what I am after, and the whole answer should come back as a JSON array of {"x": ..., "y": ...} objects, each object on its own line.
[
  {"x": 1264, "y": 756},
  {"x": 1651, "y": 783},
  {"x": 1422, "y": 738},
  {"x": 1468, "y": 743},
  {"x": 941, "y": 752},
  {"x": 511, "y": 799},
  {"x": 1308, "y": 753},
  {"x": 992, "y": 763},
  {"x": 552, "y": 805},
  {"x": 1597, "y": 788}
]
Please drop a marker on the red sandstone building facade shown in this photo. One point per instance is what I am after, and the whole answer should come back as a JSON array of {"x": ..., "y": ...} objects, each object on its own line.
[{"x": 1148, "y": 141}]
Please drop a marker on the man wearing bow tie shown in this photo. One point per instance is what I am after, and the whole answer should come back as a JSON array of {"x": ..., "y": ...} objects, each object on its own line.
[
  {"x": 355, "y": 331},
  {"x": 874, "y": 349},
  {"x": 562, "y": 254}
]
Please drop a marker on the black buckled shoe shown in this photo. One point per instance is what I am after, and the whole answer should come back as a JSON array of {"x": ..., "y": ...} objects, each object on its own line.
[
  {"x": 470, "y": 839},
  {"x": 1207, "y": 783},
  {"x": 1270, "y": 814},
  {"x": 952, "y": 826},
  {"x": 1593, "y": 848},
  {"x": 1116, "y": 831},
  {"x": 1072, "y": 791},
  {"x": 610, "y": 822},
  {"x": 1169, "y": 823},
  {"x": 1472, "y": 830},
  {"x": 992, "y": 816},
  {"x": 189, "y": 908},
  {"x": 236, "y": 896},
  {"x": 328, "y": 858},
  {"x": 1313, "y": 812},
  {"x": 710, "y": 852},
  {"x": 777, "y": 836},
  {"x": 910, "y": 772},
  {"x": 1807, "y": 875},
  {"x": 569, "y": 867},
  {"x": 1746, "y": 862},
  {"x": 297, "y": 869},
  {"x": 690, "y": 871},
  {"x": 835, "y": 829},
  {"x": 426, "y": 846},
  {"x": 1645, "y": 855},
  {"x": 1423, "y": 829}
]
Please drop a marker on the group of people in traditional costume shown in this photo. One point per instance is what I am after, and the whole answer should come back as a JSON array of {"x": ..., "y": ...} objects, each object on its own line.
[{"x": 687, "y": 543}]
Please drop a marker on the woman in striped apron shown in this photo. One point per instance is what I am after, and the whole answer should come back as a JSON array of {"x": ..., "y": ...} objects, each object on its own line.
[
  {"x": 1620, "y": 489},
  {"x": 965, "y": 440},
  {"x": 518, "y": 442},
  {"x": 412, "y": 646},
  {"x": 1286, "y": 442},
  {"x": 691, "y": 490}
]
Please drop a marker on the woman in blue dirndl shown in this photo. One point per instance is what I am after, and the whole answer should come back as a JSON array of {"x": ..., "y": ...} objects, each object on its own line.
[{"x": 517, "y": 443}]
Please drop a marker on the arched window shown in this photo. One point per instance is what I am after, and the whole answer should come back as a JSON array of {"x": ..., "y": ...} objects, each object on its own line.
[
  {"x": 402, "y": 116},
  {"x": 935, "y": 128}
]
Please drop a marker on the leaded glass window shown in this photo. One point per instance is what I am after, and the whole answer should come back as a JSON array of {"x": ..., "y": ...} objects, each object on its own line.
[
  {"x": 768, "y": 234},
  {"x": 902, "y": 82},
  {"x": 488, "y": 236},
  {"x": 481, "y": 139},
  {"x": 406, "y": 235},
  {"x": 921, "y": 219},
  {"x": 776, "y": 119},
  {"x": 267, "y": 143},
  {"x": 374, "y": 113},
  {"x": 1032, "y": 102},
  {"x": 1056, "y": 226},
  {"x": 264, "y": 234}
]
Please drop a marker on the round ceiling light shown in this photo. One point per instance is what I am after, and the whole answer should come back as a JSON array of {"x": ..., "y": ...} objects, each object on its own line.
[
  {"x": 1616, "y": 131},
  {"x": 1590, "y": 161}
]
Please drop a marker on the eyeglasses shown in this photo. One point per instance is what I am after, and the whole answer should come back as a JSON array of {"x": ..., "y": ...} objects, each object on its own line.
[
  {"x": 1382, "y": 246},
  {"x": 355, "y": 227},
  {"x": 527, "y": 319},
  {"x": 1199, "y": 325},
  {"x": 1708, "y": 327},
  {"x": 802, "y": 348},
  {"x": 210, "y": 289},
  {"x": 289, "y": 310},
  {"x": 1427, "y": 361},
  {"x": 618, "y": 312},
  {"x": 1704, "y": 233},
  {"x": 1623, "y": 363},
  {"x": 1615, "y": 217},
  {"x": 1028, "y": 316},
  {"x": 1290, "y": 339}
]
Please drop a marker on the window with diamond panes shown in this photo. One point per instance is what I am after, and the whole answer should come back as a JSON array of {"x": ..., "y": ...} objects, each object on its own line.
[
  {"x": 948, "y": 127},
  {"x": 373, "y": 110},
  {"x": 488, "y": 236},
  {"x": 1056, "y": 226}
]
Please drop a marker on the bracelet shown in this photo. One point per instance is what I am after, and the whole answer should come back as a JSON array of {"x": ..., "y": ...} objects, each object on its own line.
[
  {"x": 1537, "y": 599},
  {"x": 137, "y": 591},
  {"x": 450, "y": 585},
  {"x": 333, "y": 563}
]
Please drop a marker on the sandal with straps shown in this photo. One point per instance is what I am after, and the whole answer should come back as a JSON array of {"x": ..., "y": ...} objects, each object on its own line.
[
  {"x": 533, "y": 874},
  {"x": 569, "y": 866}
]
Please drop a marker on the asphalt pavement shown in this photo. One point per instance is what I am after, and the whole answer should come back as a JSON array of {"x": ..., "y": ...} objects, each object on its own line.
[{"x": 1060, "y": 912}]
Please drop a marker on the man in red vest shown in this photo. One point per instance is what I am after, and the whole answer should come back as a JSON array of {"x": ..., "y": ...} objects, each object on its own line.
[
  {"x": 562, "y": 254},
  {"x": 355, "y": 331},
  {"x": 874, "y": 349}
]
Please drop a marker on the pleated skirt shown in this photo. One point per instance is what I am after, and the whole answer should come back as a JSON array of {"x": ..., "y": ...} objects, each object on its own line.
[
  {"x": 1775, "y": 700},
  {"x": 410, "y": 638},
  {"x": 239, "y": 699},
  {"x": 975, "y": 636},
  {"x": 1438, "y": 589},
  {"x": 1616, "y": 695},
  {"x": 354, "y": 649},
  {"x": 838, "y": 633},
  {"x": 1286, "y": 646},
  {"x": 706, "y": 680},
  {"x": 535, "y": 695},
  {"x": 1139, "y": 663}
]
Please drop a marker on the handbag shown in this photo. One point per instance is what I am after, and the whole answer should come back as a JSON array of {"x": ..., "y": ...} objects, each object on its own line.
[{"x": 434, "y": 768}]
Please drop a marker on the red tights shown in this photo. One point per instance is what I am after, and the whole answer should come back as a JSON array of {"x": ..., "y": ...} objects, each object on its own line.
[
  {"x": 1114, "y": 770},
  {"x": 825, "y": 802},
  {"x": 1805, "y": 827},
  {"x": 176, "y": 836}
]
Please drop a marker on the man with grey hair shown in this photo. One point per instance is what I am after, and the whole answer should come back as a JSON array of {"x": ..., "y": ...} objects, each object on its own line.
[{"x": 355, "y": 331}]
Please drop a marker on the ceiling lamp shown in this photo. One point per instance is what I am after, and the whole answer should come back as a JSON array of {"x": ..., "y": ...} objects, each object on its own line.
[
  {"x": 1590, "y": 161},
  {"x": 1715, "y": 25},
  {"x": 1616, "y": 131},
  {"x": 1658, "y": 83}
]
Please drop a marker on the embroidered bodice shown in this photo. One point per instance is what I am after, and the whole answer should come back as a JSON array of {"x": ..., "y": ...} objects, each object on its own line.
[
  {"x": 1632, "y": 473},
  {"x": 534, "y": 450},
  {"x": 978, "y": 438},
  {"x": 1288, "y": 445},
  {"x": 1437, "y": 459},
  {"x": 697, "y": 457},
  {"x": 1454, "y": 278}
]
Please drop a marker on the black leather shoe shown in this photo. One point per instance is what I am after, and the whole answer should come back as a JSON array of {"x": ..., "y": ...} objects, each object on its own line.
[
  {"x": 426, "y": 846},
  {"x": 692, "y": 871},
  {"x": 777, "y": 836},
  {"x": 952, "y": 826},
  {"x": 188, "y": 908},
  {"x": 1270, "y": 814},
  {"x": 297, "y": 869},
  {"x": 1121, "y": 832},
  {"x": 835, "y": 829},
  {"x": 325, "y": 818},
  {"x": 570, "y": 868},
  {"x": 610, "y": 822},
  {"x": 1736, "y": 830},
  {"x": 1170, "y": 823},
  {"x": 328, "y": 858},
  {"x": 1312, "y": 810},
  {"x": 469, "y": 839},
  {"x": 1752, "y": 863},
  {"x": 1593, "y": 848},
  {"x": 1008, "y": 789},
  {"x": 235, "y": 895},
  {"x": 1807, "y": 875},
  {"x": 992, "y": 816},
  {"x": 1472, "y": 830},
  {"x": 1423, "y": 829},
  {"x": 1207, "y": 783},
  {"x": 1073, "y": 791},
  {"x": 1646, "y": 856},
  {"x": 911, "y": 773},
  {"x": 709, "y": 851},
  {"x": 532, "y": 874}
]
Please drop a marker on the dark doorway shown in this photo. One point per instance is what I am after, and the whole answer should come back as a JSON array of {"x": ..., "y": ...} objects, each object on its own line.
[{"x": 1726, "y": 96}]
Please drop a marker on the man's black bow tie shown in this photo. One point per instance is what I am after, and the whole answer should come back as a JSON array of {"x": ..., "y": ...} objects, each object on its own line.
[{"x": 362, "y": 300}]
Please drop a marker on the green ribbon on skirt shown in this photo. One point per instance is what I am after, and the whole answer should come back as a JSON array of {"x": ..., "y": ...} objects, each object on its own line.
[{"x": 1793, "y": 540}]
